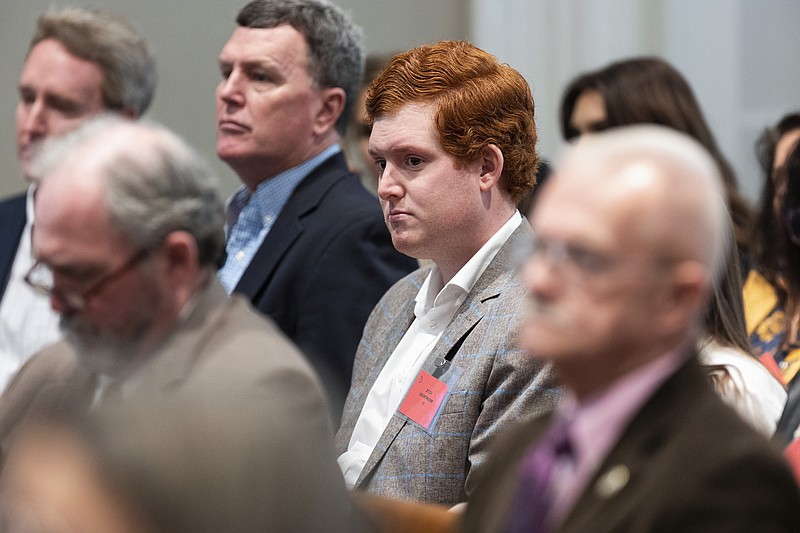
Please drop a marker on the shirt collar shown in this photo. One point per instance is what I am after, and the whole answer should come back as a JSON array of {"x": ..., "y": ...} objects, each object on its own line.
[
  {"x": 29, "y": 202},
  {"x": 432, "y": 293},
  {"x": 599, "y": 421},
  {"x": 272, "y": 194}
]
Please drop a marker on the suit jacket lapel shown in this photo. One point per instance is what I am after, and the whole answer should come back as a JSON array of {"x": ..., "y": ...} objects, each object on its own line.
[
  {"x": 403, "y": 319},
  {"x": 627, "y": 463},
  {"x": 13, "y": 217},
  {"x": 468, "y": 315},
  {"x": 289, "y": 225},
  {"x": 487, "y": 287}
]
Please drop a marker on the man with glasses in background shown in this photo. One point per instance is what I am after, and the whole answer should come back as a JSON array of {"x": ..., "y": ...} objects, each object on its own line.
[{"x": 631, "y": 234}]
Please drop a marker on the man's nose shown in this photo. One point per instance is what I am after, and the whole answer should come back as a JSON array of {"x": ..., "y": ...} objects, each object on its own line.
[
  {"x": 540, "y": 276},
  {"x": 34, "y": 122},
  {"x": 230, "y": 90},
  {"x": 388, "y": 186}
]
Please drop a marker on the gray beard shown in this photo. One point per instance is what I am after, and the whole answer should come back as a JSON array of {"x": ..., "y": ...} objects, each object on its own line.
[{"x": 99, "y": 352}]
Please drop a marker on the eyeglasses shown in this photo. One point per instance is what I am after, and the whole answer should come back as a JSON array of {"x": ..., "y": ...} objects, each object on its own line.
[
  {"x": 40, "y": 279},
  {"x": 570, "y": 257},
  {"x": 791, "y": 218},
  {"x": 584, "y": 266}
]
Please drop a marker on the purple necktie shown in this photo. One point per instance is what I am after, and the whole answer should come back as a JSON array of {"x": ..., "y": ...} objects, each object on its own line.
[{"x": 528, "y": 514}]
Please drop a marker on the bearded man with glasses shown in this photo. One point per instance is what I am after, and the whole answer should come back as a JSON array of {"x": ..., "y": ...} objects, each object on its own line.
[{"x": 128, "y": 237}]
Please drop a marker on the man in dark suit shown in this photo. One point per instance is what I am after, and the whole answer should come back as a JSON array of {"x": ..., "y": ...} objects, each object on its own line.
[
  {"x": 306, "y": 242},
  {"x": 79, "y": 63},
  {"x": 630, "y": 236},
  {"x": 451, "y": 171}
]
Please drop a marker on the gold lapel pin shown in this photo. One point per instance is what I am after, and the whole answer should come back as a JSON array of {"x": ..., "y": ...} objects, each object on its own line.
[{"x": 612, "y": 481}]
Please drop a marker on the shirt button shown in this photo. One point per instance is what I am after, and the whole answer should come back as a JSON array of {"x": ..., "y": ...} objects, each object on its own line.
[
  {"x": 240, "y": 255},
  {"x": 399, "y": 378},
  {"x": 783, "y": 365},
  {"x": 432, "y": 324}
]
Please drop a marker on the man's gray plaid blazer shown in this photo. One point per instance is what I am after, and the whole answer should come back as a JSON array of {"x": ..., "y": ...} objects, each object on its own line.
[{"x": 498, "y": 385}]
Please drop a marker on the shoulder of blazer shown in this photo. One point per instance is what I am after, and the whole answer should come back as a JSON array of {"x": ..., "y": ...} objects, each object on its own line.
[
  {"x": 13, "y": 217},
  {"x": 329, "y": 177},
  {"x": 501, "y": 273}
]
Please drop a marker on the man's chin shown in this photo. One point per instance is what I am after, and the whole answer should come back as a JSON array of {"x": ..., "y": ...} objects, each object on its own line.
[
  {"x": 105, "y": 361},
  {"x": 99, "y": 354},
  {"x": 26, "y": 169}
]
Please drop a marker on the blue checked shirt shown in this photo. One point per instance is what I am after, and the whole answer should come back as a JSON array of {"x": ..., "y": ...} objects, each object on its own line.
[{"x": 251, "y": 215}]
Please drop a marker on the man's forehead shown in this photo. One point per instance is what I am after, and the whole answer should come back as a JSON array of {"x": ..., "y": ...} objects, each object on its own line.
[
  {"x": 277, "y": 44},
  {"x": 50, "y": 67},
  {"x": 408, "y": 128},
  {"x": 71, "y": 217},
  {"x": 609, "y": 208}
]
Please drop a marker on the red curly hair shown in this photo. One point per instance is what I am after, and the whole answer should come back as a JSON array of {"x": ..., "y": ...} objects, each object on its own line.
[{"x": 477, "y": 102}]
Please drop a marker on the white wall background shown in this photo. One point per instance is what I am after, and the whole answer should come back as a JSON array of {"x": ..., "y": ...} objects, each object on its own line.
[
  {"x": 187, "y": 36},
  {"x": 740, "y": 56}
]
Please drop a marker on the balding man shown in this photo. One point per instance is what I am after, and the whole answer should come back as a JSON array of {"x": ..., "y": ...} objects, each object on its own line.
[
  {"x": 630, "y": 235},
  {"x": 129, "y": 230}
]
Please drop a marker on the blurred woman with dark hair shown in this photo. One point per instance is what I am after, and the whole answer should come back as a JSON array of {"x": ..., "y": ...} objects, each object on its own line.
[
  {"x": 772, "y": 290},
  {"x": 649, "y": 90}
]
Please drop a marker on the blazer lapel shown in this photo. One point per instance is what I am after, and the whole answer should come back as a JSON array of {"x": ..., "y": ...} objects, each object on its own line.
[
  {"x": 12, "y": 222},
  {"x": 488, "y": 286},
  {"x": 284, "y": 232},
  {"x": 627, "y": 463},
  {"x": 463, "y": 323},
  {"x": 403, "y": 318},
  {"x": 289, "y": 225}
]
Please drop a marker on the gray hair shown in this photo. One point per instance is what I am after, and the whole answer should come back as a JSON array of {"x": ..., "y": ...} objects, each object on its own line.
[
  {"x": 155, "y": 183},
  {"x": 335, "y": 43},
  {"x": 687, "y": 164},
  {"x": 109, "y": 41}
]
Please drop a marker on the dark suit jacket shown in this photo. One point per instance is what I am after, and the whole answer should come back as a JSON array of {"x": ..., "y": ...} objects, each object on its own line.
[
  {"x": 693, "y": 465},
  {"x": 495, "y": 385},
  {"x": 12, "y": 221},
  {"x": 322, "y": 268}
]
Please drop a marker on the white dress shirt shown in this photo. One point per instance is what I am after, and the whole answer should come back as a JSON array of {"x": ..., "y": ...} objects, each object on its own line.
[
  {"x": 251, "y": 215},
  {"x": 752, "y": 391},
  {"x": 27, "y": 323},
  {"x": 435, "y": 307}
]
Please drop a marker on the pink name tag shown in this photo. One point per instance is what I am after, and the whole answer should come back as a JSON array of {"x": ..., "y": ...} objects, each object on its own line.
[{"x": 423, "y": 399}]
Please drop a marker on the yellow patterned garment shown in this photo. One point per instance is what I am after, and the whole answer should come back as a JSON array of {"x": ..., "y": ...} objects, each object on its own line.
[{"x": 766, "y": 325}]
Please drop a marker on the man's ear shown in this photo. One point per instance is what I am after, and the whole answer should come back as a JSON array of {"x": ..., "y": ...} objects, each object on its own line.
[
  {"x": 332, "y": 102},
  {"x": 685, "y": 295},
  {"x": 180, "y": 253},
  {"x": 491, "y": 166}
]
